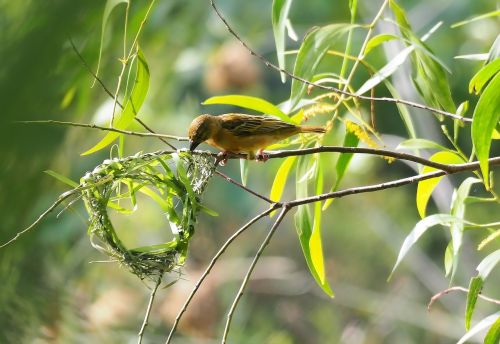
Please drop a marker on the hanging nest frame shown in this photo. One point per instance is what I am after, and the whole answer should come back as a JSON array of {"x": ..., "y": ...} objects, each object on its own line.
[{"x": 174, "y": 180}]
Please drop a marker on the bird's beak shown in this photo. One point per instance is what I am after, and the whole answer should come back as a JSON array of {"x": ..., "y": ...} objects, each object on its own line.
[{"x": 193, "y": 145}]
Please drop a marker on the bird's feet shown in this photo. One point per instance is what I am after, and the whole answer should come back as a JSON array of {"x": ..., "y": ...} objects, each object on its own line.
[
  {"x": 261, "y": 156},
  {"x": 221, "y": 158}
]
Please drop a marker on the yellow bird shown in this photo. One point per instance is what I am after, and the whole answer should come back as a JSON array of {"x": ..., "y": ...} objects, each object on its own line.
[{"x": 239, "y": 133}]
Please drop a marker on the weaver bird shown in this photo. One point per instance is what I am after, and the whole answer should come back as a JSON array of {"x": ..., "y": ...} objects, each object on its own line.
[{"x": 239, "y": 133}]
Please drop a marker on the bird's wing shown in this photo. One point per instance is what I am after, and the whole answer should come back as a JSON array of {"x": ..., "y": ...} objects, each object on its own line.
[{"x": 246, "y": 125}]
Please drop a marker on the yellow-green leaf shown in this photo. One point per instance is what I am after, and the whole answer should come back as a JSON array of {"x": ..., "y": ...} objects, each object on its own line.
[
  {"x": 481, "y": 78},
  {"x": 132, "y": 106},
  {"x": 425, "y": 187},
  {"x": 247, "y": 102},
  {"x": 280, "y": 178}
]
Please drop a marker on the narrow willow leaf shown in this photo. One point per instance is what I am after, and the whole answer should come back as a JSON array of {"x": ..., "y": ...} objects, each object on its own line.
[
  {"x": 489, "y": 239},
  {"x": 244, "y": 171},
  {"x": 110, "y": 6},
  {"x": 420, "y": 228},
  {"x": 425, "y": 187},
  {"x": 457, "y": 228},
  {"x": 481, "y": 78},
  {"x": 494, "y": 52},
  {"x": 280, "y": 178},
  {"x": 155, "y": 197},
  {"x": 132, "y": 106},
  {"x": 247, "y": 102},
  {"x": 62, "y": 178},
  {"x": 457, "y": 124},
  {"x": 480, "y": 326},
  {"x": 475, "y": 18},
  {"x": 350, "y": 140},
  {"x": 472, "y": 57},
  {"x": 208, "y": 211},
  {"x": 475, "y": 286},
  {"x": 315, "y": 241},
  {"x": 493, "y": 335},
  {"x": 311, "y": 52},
  {"x": 487, "y": 264},
  {"x": 303, "y": 222},
  {"x": 486, "y": 117},
  {"x": 448, "y": 259},
  {"x": 279, "y": 19},
  {"x": 375, "y": 41},
  {"x": 403, "y": 111},
  {"x": 420, "y": 144},
  {"x": 122, "y": 210}
]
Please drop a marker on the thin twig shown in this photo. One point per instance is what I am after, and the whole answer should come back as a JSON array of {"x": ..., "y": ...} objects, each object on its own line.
[
  {"x": 148, "y": 310},
  {"x": 54, "y": 205},
  {"x": 331, "y": 88},
  {"x": 211, "y": 265},
  {"x": 465, "y": 290},
  {"x": 250, "y": 270},
  {"x": 232, "y": 181},
  {"x": 94, "y": 126}
]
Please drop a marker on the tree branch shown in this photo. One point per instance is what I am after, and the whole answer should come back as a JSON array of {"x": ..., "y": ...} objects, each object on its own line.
[
  {"x": 232, "y": 181},
  {"x": 465, "y": 290},
  {"x": 148, "y": 310},
  {"x": 331, "y": 88},
  {"x": 211, "y": 265},
  {"x": 251, "y": 268}
]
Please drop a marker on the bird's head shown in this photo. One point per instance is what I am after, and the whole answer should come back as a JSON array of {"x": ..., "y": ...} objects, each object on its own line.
[{"x": 201, "y": 129}]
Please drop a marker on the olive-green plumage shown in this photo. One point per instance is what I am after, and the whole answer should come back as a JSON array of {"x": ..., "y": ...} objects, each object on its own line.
[{"x": 240, "y": 133}]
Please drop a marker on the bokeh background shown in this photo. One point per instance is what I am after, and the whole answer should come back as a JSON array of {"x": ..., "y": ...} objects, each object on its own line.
[{"x": 50, "y": 291}]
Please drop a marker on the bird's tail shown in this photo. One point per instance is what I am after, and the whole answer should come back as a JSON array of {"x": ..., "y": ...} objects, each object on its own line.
[{"x": 312, "y": 129}]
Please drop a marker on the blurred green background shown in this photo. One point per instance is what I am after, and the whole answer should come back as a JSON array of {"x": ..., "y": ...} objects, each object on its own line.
[{"x": 49, "y": 291}]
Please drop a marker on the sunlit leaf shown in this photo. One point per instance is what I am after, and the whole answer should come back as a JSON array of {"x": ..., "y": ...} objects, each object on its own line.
[
  {"x": 208, "y": 211},
  {"x": 486, "y": 117},
  {"x": 110, "y": 6},
  {"x": 247, "y": 102},
  {"x": 475, "y": 18},
  {"x": 494, "y": 52},
  {"x": 132, "y": 106},
  {"x": 281, "y": 178},
  {"x": 375, "y": 41},
  {"x": 311, "y": 52},
  {"x": 279, "y": 18},
  {"x": 425, "y": 187},
  {"x": 420, "y": 144},
  {"x": 458, "y": 210},
  {"x": 493, "y": 335},
  {"x": 480, "y": 326},
  {"x": 475, "y": 286},
  {"x": 487, "y": 264},
  {"x": 472, "y": 57},
  {"x": 304, "y": 226},
  {"x": 244, "y": 171},
  {"x": 420, "y": 228},
  {"x": 448, "y": 259},
  {"x": 485, "y": 74},
  {"x": 62, "y": 178}
]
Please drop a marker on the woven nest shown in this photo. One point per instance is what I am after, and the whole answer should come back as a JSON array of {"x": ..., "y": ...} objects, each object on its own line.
[{"x": 179, "y": 179}]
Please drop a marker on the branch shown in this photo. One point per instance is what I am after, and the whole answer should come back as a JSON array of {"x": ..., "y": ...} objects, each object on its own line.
[
  {"x": 148, "y": 310},
  {"x": 94, "y": 126},
  {"x": 250, "y": 270},
  {"x": 211, "y": 265},
  {"x": 465, "y": 290},
  {"x": 331, "y": 88},
  {"x": 232, "y": 181}
]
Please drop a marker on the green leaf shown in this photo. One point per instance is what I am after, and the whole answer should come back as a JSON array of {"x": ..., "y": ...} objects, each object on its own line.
[
  {"x": 281, "y": 178},
  {"x": 481, "y": 78},
  {"x": 475, "y": 286},
  {"x": 350, "y": 140},
  {"x": 244, "y": 171},
  {"x": 480, "y": 326},
  {"x": 208, "y": 211},
  {"x": 375, "y": 41},
  {"x": 279, "y": 17},
  {"x": 478, "y": 17},
  {"x": 110, "y": 6},
  {"x": 494, "y": 52},
  {"x": 493, "y": 335},
  {"x": 62, "y": 178},
  {"x": 448, "y": 259},
  {"x": 304, "y": 227},
  {"x": 311, "y": 52},
  {"x": 132, "y": 106},
  {"x": 458, "y": 210},
  {"x": 420, "y": 228},
  {"x": 247, "y": 102},
  {"x": 420, "y": 144},
  {"x": 487, "y": 264},
  {"x": 486, "y": 117},
  {"x": 425, "y": 187}
]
